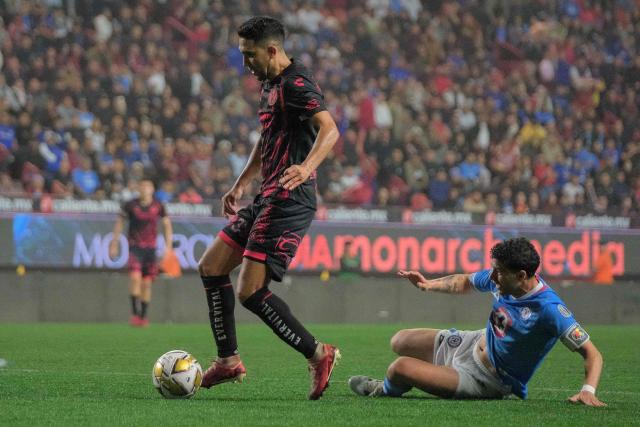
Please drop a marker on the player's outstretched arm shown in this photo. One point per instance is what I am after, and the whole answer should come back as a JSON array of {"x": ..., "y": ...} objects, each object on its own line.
[
  {"x": 327, "y": 136},
  {"x": 592, "y": 369},
  {"x": 454, "y": 284}
]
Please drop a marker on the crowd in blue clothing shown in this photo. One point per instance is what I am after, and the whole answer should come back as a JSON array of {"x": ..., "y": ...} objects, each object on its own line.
[{"x": 468, "y": 105}]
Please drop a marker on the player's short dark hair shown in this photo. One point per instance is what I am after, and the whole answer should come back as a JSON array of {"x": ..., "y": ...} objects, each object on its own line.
[
  {"x": 261, "y": 28},
  {"x": 517, "y": 254}
]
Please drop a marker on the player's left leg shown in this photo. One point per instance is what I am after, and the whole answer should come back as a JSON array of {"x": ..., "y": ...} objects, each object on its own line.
[
  {"x": 404, "y": 374},
  {"x": 149, "y": 273},
  {"x": 255, "y": 295}
]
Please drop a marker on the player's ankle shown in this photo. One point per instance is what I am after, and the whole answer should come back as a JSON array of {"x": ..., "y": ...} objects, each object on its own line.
[
  {"x": 228, "y": 361},
  {"x": 319, "y": 353}
]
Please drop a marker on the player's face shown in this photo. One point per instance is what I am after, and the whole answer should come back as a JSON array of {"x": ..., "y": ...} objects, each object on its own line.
[
  {"x": 146, "y": 190},
  {"x": 509, "y": 282},
  {"x": 255, "y": 58}
]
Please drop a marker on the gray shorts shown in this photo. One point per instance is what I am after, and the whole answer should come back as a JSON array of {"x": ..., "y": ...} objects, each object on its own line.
[{"x": 458, "y": 350}]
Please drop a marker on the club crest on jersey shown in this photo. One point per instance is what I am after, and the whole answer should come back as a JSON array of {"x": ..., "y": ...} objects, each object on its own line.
[
  {"x": 454, "y": 340},
  {"x": 273, "y": 97},
  {"x": 564, "y": 310},
  {"x": 500, "y": 321},
  {"x": 525, "y": 313}
]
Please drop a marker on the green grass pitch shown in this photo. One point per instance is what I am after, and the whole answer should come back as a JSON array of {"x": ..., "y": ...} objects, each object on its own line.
[{"x": 100, "y": 374}]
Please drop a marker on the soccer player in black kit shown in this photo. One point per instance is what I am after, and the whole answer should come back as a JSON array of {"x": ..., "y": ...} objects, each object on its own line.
[
  {"x": 143, "y": 215},
  {"x": 297, "y": 134}
]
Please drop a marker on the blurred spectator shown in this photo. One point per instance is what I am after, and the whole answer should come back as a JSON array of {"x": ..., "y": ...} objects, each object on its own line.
[
  {"x": 349, "y": 261},
  {"x": 190, "y": 195},
  {"x": 85, "y": 179}
]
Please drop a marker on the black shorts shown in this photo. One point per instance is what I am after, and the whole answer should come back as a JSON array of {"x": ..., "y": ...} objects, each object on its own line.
[
  {"x": 143, "y": 260},
  {"x": 269, "y": 231}
]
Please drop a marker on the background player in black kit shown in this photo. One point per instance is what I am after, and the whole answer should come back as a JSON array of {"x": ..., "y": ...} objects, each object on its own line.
[
  {"x": 142, "y": 214},
  {"x": 297, "y": 134}
]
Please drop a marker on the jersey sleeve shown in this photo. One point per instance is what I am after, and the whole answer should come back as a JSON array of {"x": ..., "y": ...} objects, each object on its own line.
[
  {"x": 163, "y": 210},
  {"x": 303, "y": 96},
  {"x": 481, "y": 280},
  {"x": 564, "y": 326}
]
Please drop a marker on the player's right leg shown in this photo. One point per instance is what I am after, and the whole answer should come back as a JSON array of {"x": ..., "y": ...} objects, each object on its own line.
[
  {"x": 135, "y": 284},
  {"x": 214, "y": 268},
  {"x": 417, "y": 343}
]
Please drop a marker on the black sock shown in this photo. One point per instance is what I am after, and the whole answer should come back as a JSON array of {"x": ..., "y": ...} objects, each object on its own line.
[
  {"x": 143, "y": 308},
  {"x": 134, "y": 305},
  {"x": 276, "y": 314},
  {"x": 221, "y": 301}
]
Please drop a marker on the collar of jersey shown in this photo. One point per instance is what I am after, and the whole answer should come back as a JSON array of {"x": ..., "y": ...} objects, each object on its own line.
[
  {"x": 289, "y": 68},
  {"x": 535, "y": 290}
]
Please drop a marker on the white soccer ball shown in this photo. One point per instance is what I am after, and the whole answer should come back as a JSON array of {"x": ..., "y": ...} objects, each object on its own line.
[{"x": 177, "y": 375}]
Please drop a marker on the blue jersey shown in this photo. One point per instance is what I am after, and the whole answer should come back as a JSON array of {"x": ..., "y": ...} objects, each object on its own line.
[{"x": 521, "y": 331}]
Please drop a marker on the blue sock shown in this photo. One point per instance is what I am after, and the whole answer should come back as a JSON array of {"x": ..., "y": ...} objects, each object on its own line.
[{"x": 393, "y": 390}]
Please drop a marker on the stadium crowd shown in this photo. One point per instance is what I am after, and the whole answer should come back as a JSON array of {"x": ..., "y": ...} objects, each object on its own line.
[{"x": 467, "y": 105}]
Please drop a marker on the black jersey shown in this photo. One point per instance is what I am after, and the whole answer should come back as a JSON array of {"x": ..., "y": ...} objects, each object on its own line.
[
  {"x": 286, "y": 104},
  {"x": 143, "y": 222}
]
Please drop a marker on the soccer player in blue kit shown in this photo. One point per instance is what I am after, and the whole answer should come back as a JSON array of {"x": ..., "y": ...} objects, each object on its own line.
[{"x": 526, "y": 320}]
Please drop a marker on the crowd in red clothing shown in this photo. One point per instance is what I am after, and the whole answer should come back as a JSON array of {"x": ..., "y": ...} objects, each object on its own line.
[{"x": 467, "y": 105}]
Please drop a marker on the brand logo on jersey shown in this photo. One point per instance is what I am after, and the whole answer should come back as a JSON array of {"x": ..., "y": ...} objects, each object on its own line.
[
  {"x": 501, "y": 322},
  {"x": 564, "y": 310},
  {"x": 454, "y": 340},
  {"x": 299, "y": 82},
  {"x": 312, "y": 104},
  {"x": 288, "y": 245},
  {"x": 273, "y": 97},
  {"x": 525, "y": 313}
]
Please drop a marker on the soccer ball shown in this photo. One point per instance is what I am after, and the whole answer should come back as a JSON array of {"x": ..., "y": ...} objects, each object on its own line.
[{"x": 177, "y": 375}]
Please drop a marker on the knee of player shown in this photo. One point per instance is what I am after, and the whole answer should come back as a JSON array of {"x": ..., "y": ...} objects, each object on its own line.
[
  {"x": 397, "y": 341},
  {"x": 243, "y": 297},
  {"x": 244, "y": 294},
  {"x": 202, "y": 268},
  {"x": 251, "y": 297},
  {"x": 399, "y": 368}
]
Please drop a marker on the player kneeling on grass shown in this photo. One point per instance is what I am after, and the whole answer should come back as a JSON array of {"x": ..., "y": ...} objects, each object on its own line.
[{"x": 526, "y": 320}]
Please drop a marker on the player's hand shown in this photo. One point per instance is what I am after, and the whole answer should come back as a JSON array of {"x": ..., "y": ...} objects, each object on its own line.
[
  {"x": 230, "y": 201},
  {"x": 586, "y": 398},
  {"x": 294, "y": 176},
  {"x": 417, "y": 279}
]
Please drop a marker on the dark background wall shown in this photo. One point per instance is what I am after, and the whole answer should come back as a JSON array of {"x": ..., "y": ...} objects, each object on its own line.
[{"x": 72, "y": 296}]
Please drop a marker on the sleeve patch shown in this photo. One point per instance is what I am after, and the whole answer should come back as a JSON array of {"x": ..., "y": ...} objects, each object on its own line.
[
  {"x": 564, "y": 310},
  {"x": 574, "y": 337}
]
